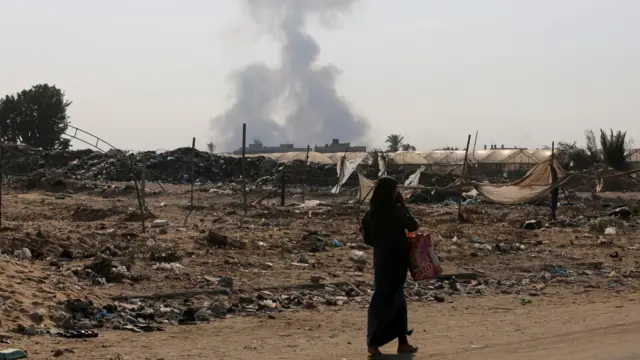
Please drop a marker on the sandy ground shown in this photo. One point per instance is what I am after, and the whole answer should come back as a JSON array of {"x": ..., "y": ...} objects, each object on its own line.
[
  {"x": 589, "y": 308},
  {"x": 581, "y": 327}
]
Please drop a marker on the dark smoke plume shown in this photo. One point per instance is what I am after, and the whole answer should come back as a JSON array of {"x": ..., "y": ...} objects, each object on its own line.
[{"x": 300, "y": 88}]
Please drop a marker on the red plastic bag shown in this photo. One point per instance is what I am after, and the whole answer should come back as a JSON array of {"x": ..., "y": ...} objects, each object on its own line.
[{"x": 424, "y": 264}]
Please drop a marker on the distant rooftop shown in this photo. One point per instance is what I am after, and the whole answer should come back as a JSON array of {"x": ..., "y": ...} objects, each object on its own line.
[{"x": 257, "y": 147}]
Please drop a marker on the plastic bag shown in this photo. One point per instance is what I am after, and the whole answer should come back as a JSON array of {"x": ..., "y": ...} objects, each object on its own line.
[{"x": 424, "y": 264}]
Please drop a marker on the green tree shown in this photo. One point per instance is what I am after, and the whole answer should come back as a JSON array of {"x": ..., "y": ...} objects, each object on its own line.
[
  {"x": 592, "y": 147},
  {"x": 211, "y": 147},
  {"x": 36, "y": 117},
  {"x": 8, "y": 119},
  {"x": 570, "y": 156},
  {"x": 395, "y": 141},
  {"x": 614, "y": 148}
]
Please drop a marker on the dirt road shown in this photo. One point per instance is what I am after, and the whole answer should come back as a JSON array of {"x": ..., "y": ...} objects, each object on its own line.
[{"x": 575, "y": 327}]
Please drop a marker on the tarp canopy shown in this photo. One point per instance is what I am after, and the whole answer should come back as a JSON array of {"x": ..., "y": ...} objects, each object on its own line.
[
  {"x": 515, "y": 156},
  {"x": 479, "y": 155},
  {"x": 408, "y": 158},
  {"x": 414, "y": 179},
  {"x": 633, "y": 155},
  {"x": 335, "y": 157},
  {"x": 541, "y": 154},
  {"x": 345, "y": 168},
  {"x": 314, "y": 157},
  {"x": 366, "y": 188},
  {"x": 536, "y": 184},
  {"x": 447, "y": 156}
]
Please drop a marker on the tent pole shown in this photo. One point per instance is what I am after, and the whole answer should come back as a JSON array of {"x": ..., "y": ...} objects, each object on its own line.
[
  {"x": 554, "y": 180},
  {"x": 464, "y": 166}
]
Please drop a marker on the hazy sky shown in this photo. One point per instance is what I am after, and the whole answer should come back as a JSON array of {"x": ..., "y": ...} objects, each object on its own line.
[{"x": 149, "y": 74}]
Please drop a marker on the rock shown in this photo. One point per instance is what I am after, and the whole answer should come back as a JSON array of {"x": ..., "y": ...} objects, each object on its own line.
[
  {"x": 622, "y": 212},
  {"x": 30, "y": 330},
  {"x": 610, "y": 231},
  {"x": 60, "y": 352},
  {"x": 215, "y": 239},
  {"x": 532, "y": 225},
  {"x": 24, "y": 254},
  {"x": 37, "y": 317},
  {"x": 226, "y": 282},
  {"x": 439, "y": 298}
]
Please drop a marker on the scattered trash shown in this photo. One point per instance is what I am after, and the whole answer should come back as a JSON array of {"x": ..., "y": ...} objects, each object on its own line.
[
  {"x": 532, "y": 225},
  {"x": 358, "y": 257},
  {"x": 11, "y": 354},
  {"x": 159, "y": 223},
  {"x": 78, "y": 334},
  {"x": 60, "y": 352}
]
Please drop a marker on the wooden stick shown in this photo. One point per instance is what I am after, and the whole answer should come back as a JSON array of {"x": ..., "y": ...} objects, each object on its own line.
[
  {"x": 143, "y": 182},
  {"x": 304, "y": 173},
  {"x": 1, "y": 170},
  {"x": 244, "y": 165},
  {"x": 193, "y": 155}
]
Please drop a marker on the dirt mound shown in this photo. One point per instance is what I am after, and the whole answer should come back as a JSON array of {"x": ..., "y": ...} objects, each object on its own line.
[
  {"x": 89, "y": 213},
  {"x": 30, "y": 295}
]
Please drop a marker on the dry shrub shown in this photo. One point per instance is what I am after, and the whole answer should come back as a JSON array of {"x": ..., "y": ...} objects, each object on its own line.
[
  {"x": 451, "y": 231},
  {"x": 598, "y": 226}
]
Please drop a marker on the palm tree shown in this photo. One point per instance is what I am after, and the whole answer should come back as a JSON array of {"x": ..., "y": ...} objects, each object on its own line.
[
  {"x": 614, "y": 148},
  {"x": 407, "y": 147},
  {"x": 395, "y": 142},
  {"x": 372, "y": 158}
]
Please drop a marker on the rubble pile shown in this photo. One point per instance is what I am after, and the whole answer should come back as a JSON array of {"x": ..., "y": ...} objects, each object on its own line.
[{"x": 32, "y": 167}]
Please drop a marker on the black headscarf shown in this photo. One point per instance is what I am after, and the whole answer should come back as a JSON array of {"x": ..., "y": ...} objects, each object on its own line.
[{"x": 383, "y": 203}]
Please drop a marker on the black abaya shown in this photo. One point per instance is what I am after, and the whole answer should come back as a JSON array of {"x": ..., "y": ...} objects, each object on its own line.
[{"x": 387, "y": 314}]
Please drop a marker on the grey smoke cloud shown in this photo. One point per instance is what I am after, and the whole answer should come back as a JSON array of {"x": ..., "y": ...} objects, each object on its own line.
[{"x": 304, "y": 90}]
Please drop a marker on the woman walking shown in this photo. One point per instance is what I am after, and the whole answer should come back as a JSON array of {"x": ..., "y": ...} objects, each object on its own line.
[{"x": 384, "y": 227}]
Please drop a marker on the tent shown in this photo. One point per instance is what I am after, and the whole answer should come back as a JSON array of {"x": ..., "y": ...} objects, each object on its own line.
[{"x": 536, "y": 184}]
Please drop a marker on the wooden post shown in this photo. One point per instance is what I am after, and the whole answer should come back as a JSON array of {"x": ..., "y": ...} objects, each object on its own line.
[
  {"x": 244, "y": 167},
  {"x": 193, "y": 155},
  {"x": 1, "y": 169},
  {"x": 143, "y": 182},
  {"x": 136, "y": 182},
  {"x": 282, "y": 184},
  {"x": 464, "y": 167},
  {"x": 304, "y": 173}
]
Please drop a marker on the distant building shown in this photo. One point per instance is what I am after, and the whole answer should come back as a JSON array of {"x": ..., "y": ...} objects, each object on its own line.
[{"x": 336, "y": 146}]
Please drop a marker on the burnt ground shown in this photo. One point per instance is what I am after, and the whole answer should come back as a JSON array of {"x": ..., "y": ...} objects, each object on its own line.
[{"x": 78, "y": 261}]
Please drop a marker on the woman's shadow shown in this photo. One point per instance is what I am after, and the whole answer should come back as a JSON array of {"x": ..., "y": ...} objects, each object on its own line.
[{"x": 393, "y": 357}]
